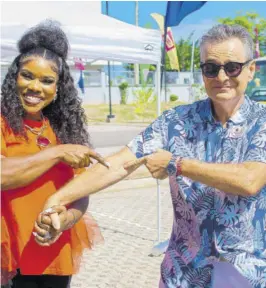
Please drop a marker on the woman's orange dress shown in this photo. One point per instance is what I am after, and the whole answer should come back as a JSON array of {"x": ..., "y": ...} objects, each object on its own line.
[{"x": 21, "y": 206}]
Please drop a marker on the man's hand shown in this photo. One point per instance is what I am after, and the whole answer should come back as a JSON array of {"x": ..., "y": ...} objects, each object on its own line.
[{"x": 156, "y": 163}]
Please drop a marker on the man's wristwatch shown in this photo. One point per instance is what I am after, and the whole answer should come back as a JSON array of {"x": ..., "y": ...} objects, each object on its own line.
[{"x": 174, "y": 166}]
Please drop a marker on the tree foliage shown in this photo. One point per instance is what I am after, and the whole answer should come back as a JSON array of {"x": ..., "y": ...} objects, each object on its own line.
[
  {"x": 128, "y": 66},
  {"x": 250, "y": 21},
  {"x": 144, "y": 99},
  {"x": 184, "y": 52}
]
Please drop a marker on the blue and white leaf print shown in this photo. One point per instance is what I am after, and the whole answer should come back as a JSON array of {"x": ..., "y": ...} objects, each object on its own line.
[
  {"x": 258, "y": 237},
  {"x": 209, "y": 223},
  {"x": 199, "y": 277},
  {"x": 230, "y": 216},
  {"x": 205, "y": 243},
  {"x": 200, "y": 198},
  {"x": 260, "y": 140},
  {"x": 227, "y": 240},
  {"x": 202, "y": 215},
  {"x": 256, "y": 277},
  {"x": 247, "y": 260},
  {"x": 179, "y": 129}
]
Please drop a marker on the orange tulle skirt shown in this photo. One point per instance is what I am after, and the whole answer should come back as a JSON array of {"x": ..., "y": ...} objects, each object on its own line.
[{"x": 85, "y": 234}]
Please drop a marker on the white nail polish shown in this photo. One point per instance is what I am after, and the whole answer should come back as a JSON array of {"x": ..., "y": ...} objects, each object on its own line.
[
  {"x": 107, "y": 164},
  {"x": 34, "y": 234},
  {"x": 47, "y": 236},
  {"x": 47, "y": 211}
]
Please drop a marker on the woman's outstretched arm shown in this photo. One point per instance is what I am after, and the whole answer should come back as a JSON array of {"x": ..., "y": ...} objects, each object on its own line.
[
  {"x": 94, "y": 179},
  {"x": 20, "y": 171}
]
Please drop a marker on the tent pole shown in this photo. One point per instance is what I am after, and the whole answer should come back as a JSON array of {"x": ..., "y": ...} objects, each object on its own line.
[
  {"x": 110, "y": 93},
  {"x": 158, "y": 211},
  {"x": 110, "y": 116},
  {"x": 160, "y": 247},
  {"x": 158, "y": 88},
  {"x": 158, "y": 182}
]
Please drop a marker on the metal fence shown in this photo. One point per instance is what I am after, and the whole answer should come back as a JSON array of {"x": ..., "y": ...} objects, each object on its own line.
[
  {"x": 146, "y": 77},
  {"x": 94, "y": 78}
]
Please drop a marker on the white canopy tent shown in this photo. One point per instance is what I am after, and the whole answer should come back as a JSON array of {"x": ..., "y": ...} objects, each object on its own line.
[
  {"x": 92, "y": 36},
  {"x": 116, "y": 41}
]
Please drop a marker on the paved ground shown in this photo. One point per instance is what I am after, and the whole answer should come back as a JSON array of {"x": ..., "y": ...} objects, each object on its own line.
[
  {"x": 142, "y": 172},
  {"x": 110, "y": 135},
  {"x": 127, "y": 216}
]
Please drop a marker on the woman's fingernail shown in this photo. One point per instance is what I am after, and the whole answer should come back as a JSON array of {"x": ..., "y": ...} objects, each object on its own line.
[
  {"x": 34, "y": 234},
  {"x": 47, "y": 236},
  {"x": 107, "y": 164},
  {"x": 47, "y": 211}
]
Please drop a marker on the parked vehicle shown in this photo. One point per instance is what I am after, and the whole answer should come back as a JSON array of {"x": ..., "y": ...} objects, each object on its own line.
[{"x": 256, "y": 89}]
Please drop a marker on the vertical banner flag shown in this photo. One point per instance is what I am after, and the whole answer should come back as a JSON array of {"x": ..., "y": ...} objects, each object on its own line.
[
  {"x": 79, "y": 66},
  {"x": 176, "y": 11},
  {"x": 81, "y": 82},
  {"x": 170, "y": 43}
]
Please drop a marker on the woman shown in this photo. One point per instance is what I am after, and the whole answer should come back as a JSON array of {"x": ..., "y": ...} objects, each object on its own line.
[
  {"x": 44, "y": 142},
  {"x": 214, "y": 151}
]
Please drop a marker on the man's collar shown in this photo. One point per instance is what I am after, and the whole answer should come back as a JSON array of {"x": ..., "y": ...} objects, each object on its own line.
[
  {"x": 206, "y": 113},
  {"x": 242, "y": 113}
]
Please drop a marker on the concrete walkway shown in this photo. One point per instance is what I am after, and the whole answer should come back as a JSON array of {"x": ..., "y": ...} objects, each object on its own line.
[
  {"x": 127, "y": 216},
  {"x": 141, "y": 172}
]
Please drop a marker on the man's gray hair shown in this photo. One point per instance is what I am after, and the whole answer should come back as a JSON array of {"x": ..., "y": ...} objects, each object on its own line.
[{"x": 223, "y": 32}]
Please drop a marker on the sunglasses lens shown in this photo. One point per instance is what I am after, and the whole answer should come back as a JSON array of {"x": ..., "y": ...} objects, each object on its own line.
[
  {"x": 233, "y": 69},
  {"x": 210, "y": 70}
]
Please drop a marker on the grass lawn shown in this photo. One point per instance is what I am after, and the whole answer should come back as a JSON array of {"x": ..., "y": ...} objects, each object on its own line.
[{"x": 125, "y": 113}]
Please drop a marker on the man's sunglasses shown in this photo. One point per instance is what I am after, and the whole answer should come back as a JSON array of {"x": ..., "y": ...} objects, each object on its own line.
[{"x": 231, "y": 69}]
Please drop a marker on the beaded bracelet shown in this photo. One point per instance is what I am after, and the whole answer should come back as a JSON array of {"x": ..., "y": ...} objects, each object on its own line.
[{"x": 179, "y": 166}]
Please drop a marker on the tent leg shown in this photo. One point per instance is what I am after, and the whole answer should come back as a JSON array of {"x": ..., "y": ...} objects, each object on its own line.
[
  {"x": 158, "y": 88},
  {"x": 110, "y": 116},
  {"x": 158, "y": 211},
  {"x": 160, "y": 247}
]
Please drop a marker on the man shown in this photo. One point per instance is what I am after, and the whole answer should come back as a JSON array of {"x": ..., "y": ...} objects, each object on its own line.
[{"x": 214, "y": 152}]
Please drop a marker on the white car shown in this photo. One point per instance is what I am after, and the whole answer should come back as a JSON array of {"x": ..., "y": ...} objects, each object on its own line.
[{"x": 256, "y": 89}]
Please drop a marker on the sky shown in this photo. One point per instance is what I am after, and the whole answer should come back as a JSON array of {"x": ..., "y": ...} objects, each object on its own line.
[{"x": 199, "y": 21}]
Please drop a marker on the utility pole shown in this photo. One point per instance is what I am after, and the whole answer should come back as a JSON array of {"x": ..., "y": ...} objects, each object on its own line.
[
  {"x": 192, "y": 60},
  {"x": 136, "y": 65},
  {"x": 192, "y": 99}
]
